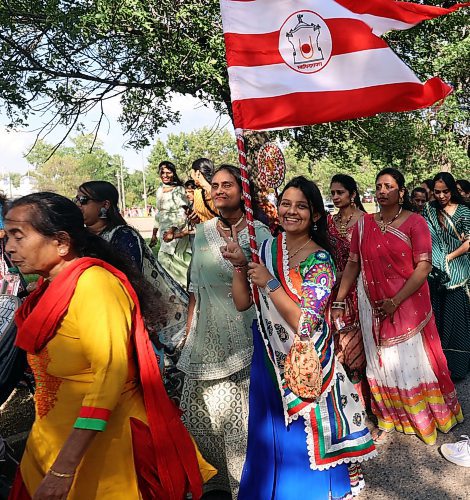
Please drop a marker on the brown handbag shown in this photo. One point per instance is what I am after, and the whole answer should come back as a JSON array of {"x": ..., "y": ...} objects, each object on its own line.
[{"x": 302, "y": 369}]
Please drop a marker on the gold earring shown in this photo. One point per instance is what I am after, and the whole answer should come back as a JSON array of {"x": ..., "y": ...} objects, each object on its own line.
[
  {"x": 400, "y": 201},
  {"x": 353, "y": 204}
]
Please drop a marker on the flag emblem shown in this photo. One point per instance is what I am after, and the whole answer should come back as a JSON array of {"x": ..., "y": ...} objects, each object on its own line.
[{"x": 305, "y": 42}]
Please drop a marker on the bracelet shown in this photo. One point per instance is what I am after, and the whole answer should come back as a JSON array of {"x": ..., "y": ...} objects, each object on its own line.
[
  {"x": 339, "y": 305},
  {"x": 393, "y": 303},
  {"x": 239, "y": 267},
  {"x": 62, "y": 475}
]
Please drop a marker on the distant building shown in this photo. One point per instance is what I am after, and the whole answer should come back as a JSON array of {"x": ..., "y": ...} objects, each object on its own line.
[{"x": 27, "y": 185}]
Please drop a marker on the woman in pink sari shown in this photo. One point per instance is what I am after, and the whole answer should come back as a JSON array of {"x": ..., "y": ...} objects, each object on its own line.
[{"x": 407, "y": 372}]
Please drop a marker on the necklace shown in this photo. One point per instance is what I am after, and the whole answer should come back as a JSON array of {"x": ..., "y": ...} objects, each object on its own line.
[
  {"x": 342, "y": 226},
  {"x": 384, "y": 225},
  {"x": 298, "y": 249},
  {"x": 239, "y": 221}
]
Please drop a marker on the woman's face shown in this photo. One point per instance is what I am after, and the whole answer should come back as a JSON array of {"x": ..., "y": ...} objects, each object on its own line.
[
  {"x": 189, "y": 194},
  {"x": 340, "y": 196},
  {"x": 387, "y": 191},
  {"x": 89, "y": 207},
  {"x": 463, "y": 194},
  {"x": 225, "y": 191},
  {"x": 166, "y": 175},
  {"x": 442, "y": 193},
  {"x": 30, "y": 251},
  {"x": 294, "y": 212}
]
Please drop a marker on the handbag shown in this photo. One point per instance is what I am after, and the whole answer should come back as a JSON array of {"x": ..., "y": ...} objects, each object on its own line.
[{"x": 302, "y": 369}]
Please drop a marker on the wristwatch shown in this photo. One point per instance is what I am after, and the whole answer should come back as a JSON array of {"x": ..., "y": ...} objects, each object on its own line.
[{"x": 272, "y": 285}]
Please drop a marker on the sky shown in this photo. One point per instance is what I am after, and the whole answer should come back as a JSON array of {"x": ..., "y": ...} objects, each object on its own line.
[{"x": 194, "y": 115}]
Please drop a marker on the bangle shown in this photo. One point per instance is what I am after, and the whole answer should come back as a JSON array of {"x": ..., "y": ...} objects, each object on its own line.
[
  {"x": 393, "y": 303},
  {"x": 240, "y": 269},
  {"x": 339, "y": 305},
  {"x": 62, "y": 475}
]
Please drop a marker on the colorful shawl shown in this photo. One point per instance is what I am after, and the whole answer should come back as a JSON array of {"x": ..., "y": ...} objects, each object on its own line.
[
  {"x": 329, "y": 419},
  {"x": 37, "y": 321}
]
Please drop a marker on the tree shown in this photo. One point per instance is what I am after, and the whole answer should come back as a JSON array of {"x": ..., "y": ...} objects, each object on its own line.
[
  {"x": 65, "y": 58},
  {"x": 183, "y": 148},
  {"x": 69, "y": 166},
  {"x": 62, "y": 59}
]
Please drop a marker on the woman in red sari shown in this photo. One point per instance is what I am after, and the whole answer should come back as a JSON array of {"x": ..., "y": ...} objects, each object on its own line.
[
  {"x": 407, "y": 372},
  {"x": 104, "y": 427},
  {"x": 349, "y": 348}
]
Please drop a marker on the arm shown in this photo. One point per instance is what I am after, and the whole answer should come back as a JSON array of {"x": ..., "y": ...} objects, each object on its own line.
[
  {"x": 349, "y": 275},
  {"x": 462, "y": 250}
]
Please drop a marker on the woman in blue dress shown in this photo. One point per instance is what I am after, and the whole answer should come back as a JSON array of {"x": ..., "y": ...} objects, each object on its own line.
[{"x": 297, "y": 445}]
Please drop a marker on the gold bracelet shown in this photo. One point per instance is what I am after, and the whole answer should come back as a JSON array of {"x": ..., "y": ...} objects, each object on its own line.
[
  {"x": 62, "y": 475},
  {"x": 393, "y": 303}
]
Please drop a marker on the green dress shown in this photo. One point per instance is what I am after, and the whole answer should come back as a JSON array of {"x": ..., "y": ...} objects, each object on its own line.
[
  {"x": 175, "y": 255},
  {"x": 450, "y": 285},
  {"x": 216, "y": 359}
]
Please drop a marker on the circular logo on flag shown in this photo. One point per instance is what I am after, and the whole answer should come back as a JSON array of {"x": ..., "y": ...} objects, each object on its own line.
[{"x": 305, "y": 42}]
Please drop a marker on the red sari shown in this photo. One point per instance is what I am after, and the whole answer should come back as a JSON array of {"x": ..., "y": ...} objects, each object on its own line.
[
  {"x": 406, "y": 368},
  {"x": 349, "y": 348}
]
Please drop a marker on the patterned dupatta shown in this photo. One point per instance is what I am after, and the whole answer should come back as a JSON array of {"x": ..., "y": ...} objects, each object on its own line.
[
  {"x": 387, "y": 261},
  {"x": 279, "y": 335}
]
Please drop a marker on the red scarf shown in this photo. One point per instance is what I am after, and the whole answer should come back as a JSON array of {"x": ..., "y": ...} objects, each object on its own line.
[{"x": 175, "y": 456}]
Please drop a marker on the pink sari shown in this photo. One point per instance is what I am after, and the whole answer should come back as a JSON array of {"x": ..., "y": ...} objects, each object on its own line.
[{"x": 387, "y": 261}]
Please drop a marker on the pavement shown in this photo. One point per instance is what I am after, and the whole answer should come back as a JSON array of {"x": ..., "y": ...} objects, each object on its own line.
[{"x": 405, "y": 469}]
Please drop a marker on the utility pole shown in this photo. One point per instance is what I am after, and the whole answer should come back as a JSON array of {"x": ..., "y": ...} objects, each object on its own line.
[
  {"x": 123, "y": 198},
  {"x": 145, "y": 185}
]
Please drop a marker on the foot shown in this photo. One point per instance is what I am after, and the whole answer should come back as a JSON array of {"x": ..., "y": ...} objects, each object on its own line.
[
  {"x": 458, "y": 453},
  {"x": 378, "y": 436}
]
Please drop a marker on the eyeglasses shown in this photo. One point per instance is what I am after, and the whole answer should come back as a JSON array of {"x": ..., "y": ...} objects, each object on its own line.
[{"x": 82, "y": 199}]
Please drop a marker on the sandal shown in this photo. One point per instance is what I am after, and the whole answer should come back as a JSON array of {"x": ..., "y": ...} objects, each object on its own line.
[{"x": 378, "y": 436}]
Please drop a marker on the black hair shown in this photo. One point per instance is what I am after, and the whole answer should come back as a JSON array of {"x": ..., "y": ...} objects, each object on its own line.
[
  {"x": 429, "y": 183},
  {"x": 170, "y": 166},
  {"x": 464, "y": 185},
  {"x": 448, "y": 179},
  {"x": 205, "y": 166},
  {"x": 315, "y": 204},
  {"x": 350, "y": 185},
  {"x": 419, "y": 190},
  {"x": 55, "y": 216},
  {"x": 190, "y": 184},
  {"x": 105, "y": 191},
  {"x": 400, "y": 180}
]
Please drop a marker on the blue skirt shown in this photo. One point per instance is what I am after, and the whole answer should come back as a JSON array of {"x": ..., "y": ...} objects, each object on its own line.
[{"x": 277, "y": 464}]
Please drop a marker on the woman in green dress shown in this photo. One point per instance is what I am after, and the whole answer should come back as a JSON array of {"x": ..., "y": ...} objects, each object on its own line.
[
  {"x": 448, "y": 218},
  {"x": 217, "y": 354},
  {"x": 174, "y": 254}
]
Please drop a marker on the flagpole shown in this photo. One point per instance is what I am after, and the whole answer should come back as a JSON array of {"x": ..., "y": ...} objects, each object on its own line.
[{"x": 246, "y": 193}]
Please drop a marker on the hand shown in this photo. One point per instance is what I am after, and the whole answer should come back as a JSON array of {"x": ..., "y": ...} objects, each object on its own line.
[
  {"x": 168, "y": 236},
  {"x": 53, "y": 488},
  {"x": 193, "y": 217},
  {"x": 386, "y": 308},
  {"x": 337, "y": 317},
  {"x": 232, "y": 251},
  {"x": 258, "y": 274}
]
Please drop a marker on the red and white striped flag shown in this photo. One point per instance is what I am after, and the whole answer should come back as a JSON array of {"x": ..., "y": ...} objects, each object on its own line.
[{"x": 299, "y": 62}]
